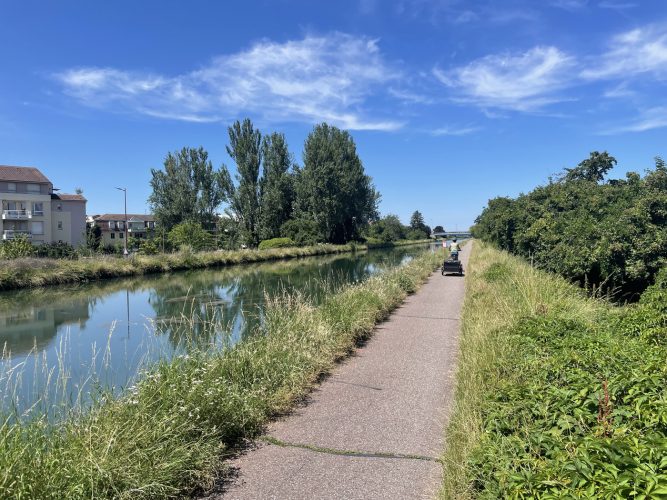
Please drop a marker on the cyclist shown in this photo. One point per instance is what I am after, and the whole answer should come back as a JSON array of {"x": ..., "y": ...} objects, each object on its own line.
[{"x": 454, "y": 249}]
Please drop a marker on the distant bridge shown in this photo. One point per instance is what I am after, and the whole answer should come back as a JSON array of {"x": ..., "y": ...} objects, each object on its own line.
[{"x": 461, "y": 235}]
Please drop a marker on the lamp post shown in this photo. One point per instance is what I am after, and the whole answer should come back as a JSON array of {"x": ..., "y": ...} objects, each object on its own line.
[{"x": 124, "y": 190}]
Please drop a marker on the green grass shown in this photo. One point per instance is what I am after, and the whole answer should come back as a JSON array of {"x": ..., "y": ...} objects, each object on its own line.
[
  {"x": 33, "y": 272},
  {"x": 558, "y": 395},
  {"x": 168, "y": 435}
]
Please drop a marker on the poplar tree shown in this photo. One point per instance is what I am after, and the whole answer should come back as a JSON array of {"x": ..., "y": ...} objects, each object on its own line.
[{"x": 276, "y": 188}]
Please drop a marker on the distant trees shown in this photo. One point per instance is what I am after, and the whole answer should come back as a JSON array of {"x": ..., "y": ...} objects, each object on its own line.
[
  {"x": 329, "y": 199},
  {"x": 604, "y": 234},
  {"x": 438, "y": 229},
  {"x": 188, "y": 189}
]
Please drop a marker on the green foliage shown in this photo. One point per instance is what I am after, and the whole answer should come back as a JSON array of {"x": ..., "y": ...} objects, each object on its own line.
[
  {"x": 438, "y": 229},
  {"x": 56, "y": 250},
  {"x": 563, "y": 396},
  {"x": 188, "y": 189},
  {"x": 416, "y": 234},
  {"x": 610, "y": 236},
  {"x": 148, "y": 247},
  {"x": 276, "y": 243},
  {"x": 93, "y": 237},
  {"x": 192, "y": 235},
  {"x": 332, "y": 189},
  {"x": 419, "y": 229},
  {"x": 302, "y": 231},
  {"x": 276, "y": 186},
  {"x": 245, "y": 149},
  {"x": 17, "y": 247},
  {"x": 389, "y": 228}
]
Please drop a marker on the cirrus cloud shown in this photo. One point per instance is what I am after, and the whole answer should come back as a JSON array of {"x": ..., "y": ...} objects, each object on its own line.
[{"x": 310, "y": 80}]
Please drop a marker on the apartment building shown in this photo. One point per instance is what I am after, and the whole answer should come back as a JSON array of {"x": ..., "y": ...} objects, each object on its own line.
[
  {"x": 30, "y": 206},
  {"x": 113, "y": 227}
]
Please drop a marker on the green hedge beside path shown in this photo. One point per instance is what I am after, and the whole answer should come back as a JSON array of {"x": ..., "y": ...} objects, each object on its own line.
[{"x": 558, "y": 395}]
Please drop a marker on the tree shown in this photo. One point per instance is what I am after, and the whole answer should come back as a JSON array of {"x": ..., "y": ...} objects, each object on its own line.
[
  {"x": 276, "y": 188},
  {"x": 188, "y": 189},
  {"x": 332, "y": 189},
  {"x": 417, "y": 220},
  {"x": 438, "y": 229},
  {"x": 389, "y": 228},
  {"x": 245, "y": 149},
  {"x": 591, "y": 169},
  {"x": 419, "y": 228}
]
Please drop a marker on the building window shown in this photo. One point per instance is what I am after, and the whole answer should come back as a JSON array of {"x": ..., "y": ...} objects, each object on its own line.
[
  {"x": 37, "y": 228},
  {"x": 32, "y": 188},
  {"x": 113, "y": 236},
  {"x": 38, "y": 208},
  {"x": 11, "y": 186},
  {"x": 121, "y": 235},
  {"x": 60, "y": 224}
]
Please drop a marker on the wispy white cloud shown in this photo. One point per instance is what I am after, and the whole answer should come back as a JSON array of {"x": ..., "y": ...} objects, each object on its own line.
[
  {"x": 317, "y": 78},
  {"x": 642, "y": 50},
  {"x": 455, "y": 131},
  {"x": 569, "y": 4},
  {"x": 648, "y": 119},
  {"x": 523, "y": 82},
  {"x": 608, "y": 4}
]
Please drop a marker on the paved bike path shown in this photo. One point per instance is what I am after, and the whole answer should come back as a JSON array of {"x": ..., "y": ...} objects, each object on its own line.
[{"x": 374, "y": 428}]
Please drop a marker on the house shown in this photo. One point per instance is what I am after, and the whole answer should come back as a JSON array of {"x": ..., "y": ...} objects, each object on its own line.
[
  {"x": 32, "y": 207},
  {"x": 112, "y": 227}
]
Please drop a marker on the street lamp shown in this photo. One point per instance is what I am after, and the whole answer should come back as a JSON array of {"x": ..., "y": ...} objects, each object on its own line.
[{"x": 124, "y": 190}]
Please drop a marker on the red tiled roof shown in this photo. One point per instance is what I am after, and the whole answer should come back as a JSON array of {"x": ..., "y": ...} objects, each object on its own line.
[
  {"x": 68, "y": 197},
  {"x": 121, "y": 217},
  {"x": 22, "y": 174}
]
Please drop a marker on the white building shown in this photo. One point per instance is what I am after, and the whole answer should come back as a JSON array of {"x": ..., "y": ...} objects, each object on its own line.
[{"x": 31, "y": 207}]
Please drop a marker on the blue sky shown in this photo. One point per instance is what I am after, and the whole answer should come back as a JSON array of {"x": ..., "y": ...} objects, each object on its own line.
[{"x": 451, "y": 102}]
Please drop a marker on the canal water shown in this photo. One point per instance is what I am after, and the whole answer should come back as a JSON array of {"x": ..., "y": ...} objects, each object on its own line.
[{"x": 59, "y": 342}]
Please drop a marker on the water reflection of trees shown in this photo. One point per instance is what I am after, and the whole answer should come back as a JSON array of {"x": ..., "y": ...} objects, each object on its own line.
[{"x": 197, "y": 305}]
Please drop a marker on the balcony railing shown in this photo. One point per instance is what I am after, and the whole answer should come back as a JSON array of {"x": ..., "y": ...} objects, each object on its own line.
[
  {"x": 17, "y": 214},
  {"x": 10, "y": 234}
]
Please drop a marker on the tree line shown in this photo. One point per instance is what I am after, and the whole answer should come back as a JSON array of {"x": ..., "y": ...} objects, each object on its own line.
[
  {"x": 610, "y": 235},
  {"x": 329, "y": 198}
]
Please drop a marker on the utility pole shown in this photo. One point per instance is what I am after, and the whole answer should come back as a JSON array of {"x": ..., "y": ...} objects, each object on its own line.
[{"x": 124, "y": 190}]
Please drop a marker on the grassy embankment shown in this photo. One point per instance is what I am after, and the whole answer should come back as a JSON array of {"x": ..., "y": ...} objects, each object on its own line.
[
  {"x": 30, "y": 272},
  {"x": 559, "y": 395},
  {"x": 168, "y": 435}
]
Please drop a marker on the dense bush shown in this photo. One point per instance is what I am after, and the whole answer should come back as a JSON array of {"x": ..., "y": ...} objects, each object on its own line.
[
  {"x": 302, "y": 231},
  {"x": 610, "y": 235},
  {"x": 148, "y": 247},
  {"x": 17, "y": 248},
  {"x": 191, "y": 234},
  {"x": 56, "y": 250},
  {"x": 276, "y": 243},
  {"x": 389, "y": 228}
]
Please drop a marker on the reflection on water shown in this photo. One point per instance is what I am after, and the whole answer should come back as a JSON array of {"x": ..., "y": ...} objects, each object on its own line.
[{"x": 108, "y": 329}]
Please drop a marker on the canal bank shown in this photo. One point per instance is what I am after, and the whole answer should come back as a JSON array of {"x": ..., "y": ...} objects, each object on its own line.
[
  {"x": 33, "y": 272},
  {"x": 168, "y": 434}
]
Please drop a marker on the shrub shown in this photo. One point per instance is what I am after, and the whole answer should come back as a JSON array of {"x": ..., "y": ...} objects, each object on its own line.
[
  {"x": 148, "y": 247},
  {"x": 56, "y": 250},
  {"x": 17, "y": 248},
  {"x": 276, "y": 243},
  {"x": 191, "y": 234},
  {"x": 302, "y": 231}
]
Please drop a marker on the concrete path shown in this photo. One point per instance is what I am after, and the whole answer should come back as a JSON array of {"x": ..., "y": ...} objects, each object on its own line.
[{"x": 375, "y": 427}]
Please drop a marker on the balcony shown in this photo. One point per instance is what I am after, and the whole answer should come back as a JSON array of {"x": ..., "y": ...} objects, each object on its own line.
[
  {"x": 17, "y": 214},
  {"x": 10, "y": 234}
]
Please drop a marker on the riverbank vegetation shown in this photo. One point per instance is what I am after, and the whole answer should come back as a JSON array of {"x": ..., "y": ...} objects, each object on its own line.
[
  {"x": 167, "y": 435},
  {"x": 35, "y": 272},
  {"x": 606, "y": 235},
  {"x": 559, "y": 394}
]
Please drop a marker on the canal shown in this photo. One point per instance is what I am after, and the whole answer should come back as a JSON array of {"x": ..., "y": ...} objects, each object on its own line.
[{"x": 60, "y": 343}]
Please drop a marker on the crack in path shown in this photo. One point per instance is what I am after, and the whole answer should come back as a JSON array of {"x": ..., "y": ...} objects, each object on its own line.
[
  {"x": 346, "y": 453},
  {"x": 425, "y": 317}
]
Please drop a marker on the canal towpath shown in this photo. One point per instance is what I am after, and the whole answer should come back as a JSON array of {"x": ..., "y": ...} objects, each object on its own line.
[{"x": 375, "y": 427}]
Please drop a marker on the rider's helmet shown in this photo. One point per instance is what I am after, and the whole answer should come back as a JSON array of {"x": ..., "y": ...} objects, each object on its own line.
[{"x": 454, "y": 240}]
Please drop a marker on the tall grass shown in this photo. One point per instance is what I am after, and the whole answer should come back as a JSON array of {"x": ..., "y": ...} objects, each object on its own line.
[
  {"x": 168, "y": 435},
  {"x": 557, "y": 396},
  {"x": 32, "y": 272}
]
